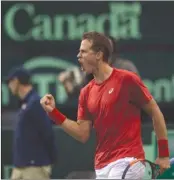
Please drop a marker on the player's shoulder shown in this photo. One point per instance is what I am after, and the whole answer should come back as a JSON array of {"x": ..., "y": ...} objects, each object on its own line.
[
  {"x": 87, "y": 87},
  {"x": 126, "y": 74}
]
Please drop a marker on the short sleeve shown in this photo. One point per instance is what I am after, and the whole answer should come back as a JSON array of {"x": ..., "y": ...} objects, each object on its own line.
[
  {"x": 139, "y": 93},
  {"x": 83, "y": 113}
]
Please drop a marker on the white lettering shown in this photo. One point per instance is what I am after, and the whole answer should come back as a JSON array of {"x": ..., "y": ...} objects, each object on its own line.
[
  {"x": 121, "y": 21},
  {"x": 9, "y": 21}
]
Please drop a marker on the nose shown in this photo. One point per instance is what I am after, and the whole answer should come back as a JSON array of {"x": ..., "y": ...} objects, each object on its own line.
[{"x": 78, "y": 55}]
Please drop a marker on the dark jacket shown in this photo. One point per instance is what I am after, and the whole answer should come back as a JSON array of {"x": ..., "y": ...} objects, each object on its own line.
[{"x": 34, "y": 143}]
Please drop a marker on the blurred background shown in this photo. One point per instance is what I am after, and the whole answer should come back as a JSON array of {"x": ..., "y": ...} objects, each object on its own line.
[{"x": 45, "y": 38}]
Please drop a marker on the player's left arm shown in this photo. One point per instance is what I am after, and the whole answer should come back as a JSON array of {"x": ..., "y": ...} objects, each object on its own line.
[
  {"x": 142, "y": 98},
  {"x": 153, "y": 110}
]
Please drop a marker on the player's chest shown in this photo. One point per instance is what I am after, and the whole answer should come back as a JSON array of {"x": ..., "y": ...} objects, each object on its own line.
[{"x": 105, "y": 97}]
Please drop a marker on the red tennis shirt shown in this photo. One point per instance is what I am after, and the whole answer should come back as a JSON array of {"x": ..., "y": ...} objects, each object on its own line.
[{"x": 114, "y": 108}]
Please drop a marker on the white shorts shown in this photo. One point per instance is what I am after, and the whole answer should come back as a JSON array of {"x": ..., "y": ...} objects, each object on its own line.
[{"x": 115, "y": 170}]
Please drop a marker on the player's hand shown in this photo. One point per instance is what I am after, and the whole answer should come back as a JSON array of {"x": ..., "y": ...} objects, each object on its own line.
[
  {"x": 48, "y": 102},
  {"x": 163, "y": 162}
]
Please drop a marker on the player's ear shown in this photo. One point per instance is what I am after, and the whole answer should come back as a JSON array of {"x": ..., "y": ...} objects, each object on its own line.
[{"x": 99, "y": 55}]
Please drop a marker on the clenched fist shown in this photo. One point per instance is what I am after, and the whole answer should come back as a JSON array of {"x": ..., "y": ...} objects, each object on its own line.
[
  {"x": 164, "y": 163},
  {"x": 48, "y": 102}
]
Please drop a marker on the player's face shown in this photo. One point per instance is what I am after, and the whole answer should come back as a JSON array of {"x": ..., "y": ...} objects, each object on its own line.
[
  {"x": 14, "y": 86},
  {"x": 87, "y": 57}
]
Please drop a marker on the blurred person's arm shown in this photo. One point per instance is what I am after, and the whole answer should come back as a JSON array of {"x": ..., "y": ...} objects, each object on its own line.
[
  {"x": 66, "y": 79},
  {"x": 72, "y": 80}
]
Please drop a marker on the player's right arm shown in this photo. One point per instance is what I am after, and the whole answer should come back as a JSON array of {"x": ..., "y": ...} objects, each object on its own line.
[{"x": 79, "y": 130}]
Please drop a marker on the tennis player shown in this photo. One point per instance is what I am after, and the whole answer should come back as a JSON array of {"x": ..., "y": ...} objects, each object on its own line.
[
  {"x": 73, "y": 79},
  {"x": 111, "y": 103}
]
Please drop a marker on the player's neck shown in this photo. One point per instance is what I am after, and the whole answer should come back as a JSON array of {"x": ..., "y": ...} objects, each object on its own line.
[{"x": 102, "y": 73}]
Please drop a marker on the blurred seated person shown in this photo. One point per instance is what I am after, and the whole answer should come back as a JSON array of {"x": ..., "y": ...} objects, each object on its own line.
[{"x": 118, "y": 62}]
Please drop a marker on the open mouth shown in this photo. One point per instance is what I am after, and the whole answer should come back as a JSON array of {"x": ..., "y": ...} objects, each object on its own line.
[{"x": 81, "y": 67}]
